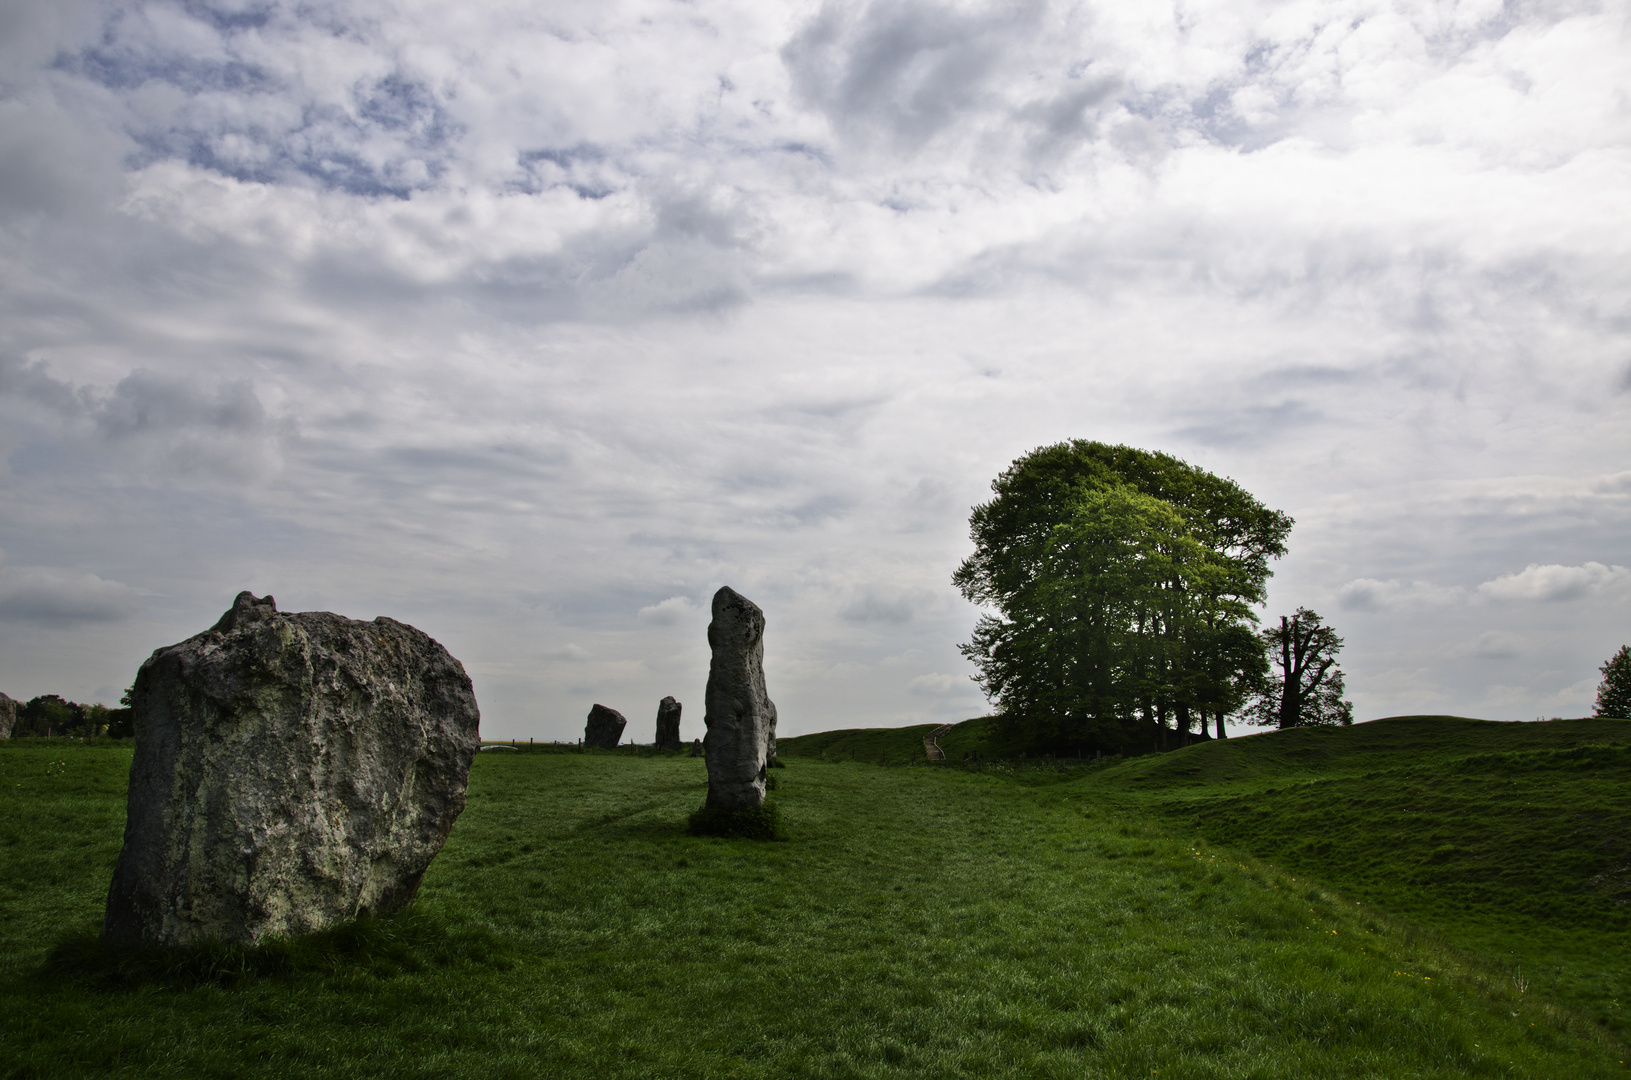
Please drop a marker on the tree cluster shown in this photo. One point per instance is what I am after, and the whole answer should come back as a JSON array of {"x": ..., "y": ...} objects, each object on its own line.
[
  {"x": 51, "y": 714},
  {"x": 1122, "y": 583}
]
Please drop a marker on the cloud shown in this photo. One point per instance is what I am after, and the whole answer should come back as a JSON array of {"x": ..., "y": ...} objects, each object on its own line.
[
  {"x": 1552, "y": 582},
  {"x": 939, "y": 685},
  {"x": 905, "y": 71},
  {"x": 513, "y": 322},
  {"x": 60, "y": 598},
  {"x": 670, "y": 612},
  {"x": 889, "y": 606},
  {"x": 1494, "y": 645},
  {"x": 1369, "y": 594}
]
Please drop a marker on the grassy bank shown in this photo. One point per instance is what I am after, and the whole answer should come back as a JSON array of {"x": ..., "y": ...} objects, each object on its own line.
[
  {"x": 919, "y": 922},
  {"x": 1512, "y": 841}
]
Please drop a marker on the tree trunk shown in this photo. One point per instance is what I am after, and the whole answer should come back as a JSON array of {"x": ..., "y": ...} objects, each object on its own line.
[
  {"x": 1290, "y": 699},
  {"x": 1221, "y": 733}
]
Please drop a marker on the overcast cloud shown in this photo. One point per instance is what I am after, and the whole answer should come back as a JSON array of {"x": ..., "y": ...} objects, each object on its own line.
[{"x": 532, "y": 324}]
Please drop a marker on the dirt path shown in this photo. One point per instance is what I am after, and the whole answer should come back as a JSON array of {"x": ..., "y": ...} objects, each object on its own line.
[{"x": 931, "y": 747}]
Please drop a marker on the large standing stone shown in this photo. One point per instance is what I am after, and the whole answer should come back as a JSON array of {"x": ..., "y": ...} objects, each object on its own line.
[
  {"x": 668, "y": 724},
  {"x": 740, "y": 716},
  {"x": 605, "y": 728},
  {"x": 8, "y": 715},
  {"x": 291, "y": 771}
]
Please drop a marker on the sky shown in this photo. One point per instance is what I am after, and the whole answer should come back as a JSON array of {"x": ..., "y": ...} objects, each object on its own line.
[{"x": 533, "y": 324}]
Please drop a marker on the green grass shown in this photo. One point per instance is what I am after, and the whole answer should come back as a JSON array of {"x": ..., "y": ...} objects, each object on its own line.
[
  {"x": 1511, "y": 841},
  {"x": 918, "y": 922}
]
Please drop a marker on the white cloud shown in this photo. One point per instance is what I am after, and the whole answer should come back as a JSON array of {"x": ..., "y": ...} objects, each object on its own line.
[
  {"x": 670, "y": 612},
  {"x": 1552, "y": 582}
]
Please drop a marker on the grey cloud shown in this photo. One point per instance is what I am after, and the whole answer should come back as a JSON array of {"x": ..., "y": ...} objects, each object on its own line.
[
  {"x": 903, "y": 70},
  {"x": 54, "y": 161},
  {"x": 886, "y": 605},
  {"x": 59, "y": 598},
  {"x": 1063, "y": 122},
  {"x": 144, "y": 402},
  {"x": 1250, "y": 424},
  {"x": 33, "y": 382},
  {"x": 1494, "y": 645},
  {"x": 1370, "y": 594}
]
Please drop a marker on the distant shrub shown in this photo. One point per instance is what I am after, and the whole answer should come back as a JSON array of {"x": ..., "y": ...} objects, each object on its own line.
[
  {"x": 762, "y": 823},
  {"x": 1614, "y": 692}
]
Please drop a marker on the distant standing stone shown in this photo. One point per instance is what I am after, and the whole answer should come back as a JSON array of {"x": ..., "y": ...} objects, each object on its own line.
[
  {"x": 8, "y": 715},
  {"x": 740, "y": 716},
  {"x": 291, "y": 772},
  {"x": 605, "y": 728},
  {"x": 668, "y": 724},
  {"x": 696, "y": 747}
]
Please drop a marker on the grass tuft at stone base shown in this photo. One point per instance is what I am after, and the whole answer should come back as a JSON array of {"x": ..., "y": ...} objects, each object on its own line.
[
  {"x": 383, "y": 948},
  {"x": 762, "y": 823}
]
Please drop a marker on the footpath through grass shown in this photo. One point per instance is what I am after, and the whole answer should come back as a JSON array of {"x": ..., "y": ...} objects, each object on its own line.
[{"x": 920, "y": 922}]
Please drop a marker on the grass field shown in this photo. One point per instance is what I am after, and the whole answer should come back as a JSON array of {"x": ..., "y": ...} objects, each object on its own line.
[{"x": 920, "y": 922}]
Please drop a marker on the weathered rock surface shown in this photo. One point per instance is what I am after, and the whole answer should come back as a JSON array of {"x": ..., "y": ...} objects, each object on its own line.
[
  {"x": 605, "y": 728},
  {"x": 668, "y": 724},
  {"x": 291, "y": 771},
  {"x": 696, "y": 747},
  {"x": 740, "y": 716},
  {"x": 8, "y": 715}
]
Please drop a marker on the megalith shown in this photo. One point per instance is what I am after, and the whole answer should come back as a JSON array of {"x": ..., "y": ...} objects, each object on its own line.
[
  {"x": 605, "y": 728},
  {"x": 291, "y": 771},
  {"x": 740, "y": 717},
  {"x": 696, "y": 747},
  {"x": 668, "y": 724},
  {"x": 8, "y": 715}
]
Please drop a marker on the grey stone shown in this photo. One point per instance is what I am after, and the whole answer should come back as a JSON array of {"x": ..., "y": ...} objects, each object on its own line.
[
  {"x": 668, "y": 724},
  {"x": 740, "y": 716},
  {"x": 696, "y": 747},
  {"x": 605, "y": 728},
  {"x": 8, "y": 715},
  {"x": 291, "y": 771}
]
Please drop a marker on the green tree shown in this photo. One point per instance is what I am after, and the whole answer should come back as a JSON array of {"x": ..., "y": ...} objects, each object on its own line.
[
  {"x": 1614, "y": 692},
  {"x": 1121, "y": 582},
  {"x": 1308, "y": 688},
  {"x": 49, "y": 714}
]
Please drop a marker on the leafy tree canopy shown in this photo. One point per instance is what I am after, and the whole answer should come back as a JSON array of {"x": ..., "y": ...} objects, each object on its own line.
[
  {"x": 1614, "y": 692},
  {"x": 1122, "y": 582}
]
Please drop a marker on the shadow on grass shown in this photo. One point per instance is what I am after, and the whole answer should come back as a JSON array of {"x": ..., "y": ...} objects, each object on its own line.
[
  {"x": 763, "y": 822},
  {"x": 383, "y": 948}
]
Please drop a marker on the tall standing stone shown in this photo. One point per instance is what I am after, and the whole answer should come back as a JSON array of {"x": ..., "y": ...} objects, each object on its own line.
[
  {"x": 291, "y": 771},
  {"x": 8, "y": 715},
  {"x": 604, "y": 728},
  {"x": 668, "y": 724},
  {"x": 740, "y": 716}
]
